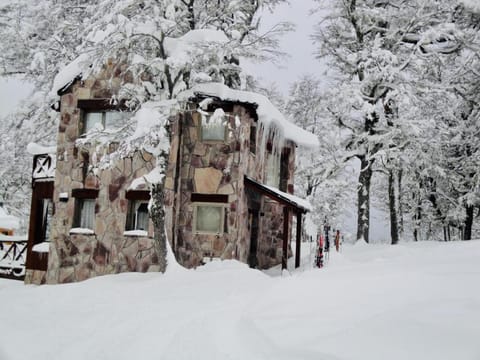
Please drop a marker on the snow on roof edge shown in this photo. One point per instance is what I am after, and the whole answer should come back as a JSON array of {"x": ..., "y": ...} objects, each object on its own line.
[
  {"x": 298, "y": 201},
  {"x": 70, "y": 73},
  {"x": 304, "y": 203},
  {"x": 266, "y": 111},
  {"x": 8, "y": 221},
  {"x": 36, "y": 149}
]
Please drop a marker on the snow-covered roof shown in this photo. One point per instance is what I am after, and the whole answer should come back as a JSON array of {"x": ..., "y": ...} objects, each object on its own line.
[
  {"x": 267, "y": 113},
  {"x": 70, "y": 73},
  {"x": 36, "y": 149},
  {"x": 472, "y": 4},
  {"x": 279, "y": 195},
  {"x": 303, "y": 203},
  {"x": 13, "y": 238},
  {"x": 43, "y": 247},
  {"x": 8, "y": 221},
  {"x": 177, "y": 50}
]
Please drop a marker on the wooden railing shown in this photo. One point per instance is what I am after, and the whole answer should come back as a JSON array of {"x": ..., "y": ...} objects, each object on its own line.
[
  {"x": 13, "y": 253},
  {"x": 44, "y": 166}
]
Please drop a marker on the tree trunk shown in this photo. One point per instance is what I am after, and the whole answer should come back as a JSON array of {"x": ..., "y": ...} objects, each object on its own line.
[
  {"x": 393, "y": 208},
  {"x": 400, "y": 206},
  {"x": 363, "y": 194},
  {"x": 157, "y": 213},
  {"x": 417, "y": 215},
  {"x": 467, "y": 233},
  {"x": 191, "y": 14}
]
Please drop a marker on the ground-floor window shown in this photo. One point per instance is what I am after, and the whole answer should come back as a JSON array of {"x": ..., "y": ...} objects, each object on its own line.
[
  {"x": 84, "y": 213},
  {"x": 209, "y": 214},
  {"x": 209, "y": 218},
  {"x": 46, "y": 207},
  {"x": 137, "y": 216}
]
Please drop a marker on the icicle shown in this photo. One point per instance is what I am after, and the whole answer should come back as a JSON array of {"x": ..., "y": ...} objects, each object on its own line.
[{"x": 273, "y": 135}]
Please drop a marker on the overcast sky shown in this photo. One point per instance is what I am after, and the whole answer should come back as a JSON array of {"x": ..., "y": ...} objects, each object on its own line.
[{"x": 296, "y": 44}]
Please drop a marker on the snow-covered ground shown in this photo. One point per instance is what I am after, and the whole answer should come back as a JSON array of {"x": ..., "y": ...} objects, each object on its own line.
[{"x": 411, "y": 301}]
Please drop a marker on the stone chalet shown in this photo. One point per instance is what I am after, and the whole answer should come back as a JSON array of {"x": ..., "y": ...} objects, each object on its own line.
[{"x": 229, "y": 186}]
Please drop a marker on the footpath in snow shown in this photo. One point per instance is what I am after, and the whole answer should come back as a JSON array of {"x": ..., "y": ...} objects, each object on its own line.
[{"x": 375, "y": 302}]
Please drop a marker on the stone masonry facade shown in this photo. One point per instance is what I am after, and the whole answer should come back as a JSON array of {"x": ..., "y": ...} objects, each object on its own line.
[
  {"x": 218, "y": 168},
  {"x": 198, "y": 172},
  {"x": 79, "y": 256}
]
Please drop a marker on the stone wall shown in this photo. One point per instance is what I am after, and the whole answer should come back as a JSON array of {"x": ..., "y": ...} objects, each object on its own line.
[
  {"x": 36, "y": 277},
  {"x": 219, "y": 168},
  {"x": 207, "y": 168},
  {"x": 78, "y": 256},
  {"x": 270, "y": 242},
  {"x": 270, "y": 232},
  {"x": 195, "y": 167}
]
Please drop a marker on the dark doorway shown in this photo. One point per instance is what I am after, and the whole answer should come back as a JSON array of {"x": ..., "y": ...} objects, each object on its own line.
[
  {"x": 253, "y": 227},
  {"x": 254, "y": 202},
  {"x": 41, "y": 212}
]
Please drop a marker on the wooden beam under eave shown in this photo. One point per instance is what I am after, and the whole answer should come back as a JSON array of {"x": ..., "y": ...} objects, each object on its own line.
[
  {"x": 298, "y": 243},
  {"x": 285, "y": 237}
]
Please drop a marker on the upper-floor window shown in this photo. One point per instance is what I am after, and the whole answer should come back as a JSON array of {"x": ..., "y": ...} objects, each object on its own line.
[
  {"x": 272, "y": 170},
  {"x": 213, "y": 127},
  {"x": 253, "y": 138},
  {"x": 101, "y": 120},
  {"x": 276, "y": 170}
]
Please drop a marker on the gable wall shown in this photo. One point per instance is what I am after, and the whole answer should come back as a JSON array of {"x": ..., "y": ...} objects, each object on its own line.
[
  {"x": 208, "y": 168},
  {"x": 270, "y": 233},
  {"x": 194, "y": 167},
  {"x": 219, "y": 168},
  {"x": 75, "y": 257}
]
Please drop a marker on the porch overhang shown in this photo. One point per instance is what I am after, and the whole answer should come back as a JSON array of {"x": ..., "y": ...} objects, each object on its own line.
[{"x": 290, "y": 203}]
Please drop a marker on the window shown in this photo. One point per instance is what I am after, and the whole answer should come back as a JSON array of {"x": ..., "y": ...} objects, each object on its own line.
[
  {"x": 209, "y": 213},
  {"x": 253, "y": 139},
  {"x": 84, "y": 213},
  {"x": 213, "y": 126},
  {"x": 92, "y": 120},
  {"x": 47, "y": 213},
  {"x": 137, "y": 212},
  {"x": 101, "y": 120},
  {"x": 283, "y": 183},
  {"x": 209, "y": 218},
  {"x": 276, "y": 170},
  {"x": 137, "y": 216},
  {"x": 272, "y": 170}
]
